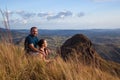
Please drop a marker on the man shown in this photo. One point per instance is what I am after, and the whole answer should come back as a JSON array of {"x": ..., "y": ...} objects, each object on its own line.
[{"x": 31, "y": 42}]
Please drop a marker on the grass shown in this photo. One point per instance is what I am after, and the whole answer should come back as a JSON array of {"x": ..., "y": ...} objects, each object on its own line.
[{"x": 14, "y": 65}]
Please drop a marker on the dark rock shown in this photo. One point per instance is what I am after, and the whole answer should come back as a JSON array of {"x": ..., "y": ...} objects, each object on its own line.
[{"x": 79, "y": 48}]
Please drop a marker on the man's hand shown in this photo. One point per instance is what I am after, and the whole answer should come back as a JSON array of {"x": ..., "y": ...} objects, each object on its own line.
[{"x": 33, "y": 48}]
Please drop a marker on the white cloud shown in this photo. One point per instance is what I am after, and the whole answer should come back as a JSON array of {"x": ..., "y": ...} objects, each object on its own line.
[
  {"x": 18, "y": 21},
  {"x": 60, "y": 15},
  {"x": 9, "y": 13},
  {"x": 25, "y": 15},
  {"x": 21, "y": 14},
  {"x": 44, "y": 14},
  {"x": 19, "y": 11},
  {"x": 24, "y": 18},
  {"x": 81, "y": 14}
]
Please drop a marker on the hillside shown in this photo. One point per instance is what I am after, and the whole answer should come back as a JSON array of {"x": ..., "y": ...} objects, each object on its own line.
[
  {"x": 109, "y": 51},
  {"x": 90, "y": 67},
  {"x": 15, "y": 65},
  {"x": 80, "y": 49}
]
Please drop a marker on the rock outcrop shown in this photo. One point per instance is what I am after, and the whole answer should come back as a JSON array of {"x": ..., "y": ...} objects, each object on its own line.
[{"x": 79, "y": 48}]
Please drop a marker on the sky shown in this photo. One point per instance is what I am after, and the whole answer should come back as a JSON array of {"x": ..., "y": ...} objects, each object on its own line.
[{"x": 61, "y": 14}]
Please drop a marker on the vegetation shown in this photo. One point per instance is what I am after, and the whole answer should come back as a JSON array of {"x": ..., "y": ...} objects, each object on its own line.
[{"x": 14, "y": 65}]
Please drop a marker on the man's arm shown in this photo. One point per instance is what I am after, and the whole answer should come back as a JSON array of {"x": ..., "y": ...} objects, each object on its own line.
[{"x": 33, "y": 48}]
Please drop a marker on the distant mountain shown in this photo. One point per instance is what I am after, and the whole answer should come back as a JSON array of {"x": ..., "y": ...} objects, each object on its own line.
[{"x": 90, "y": 32}]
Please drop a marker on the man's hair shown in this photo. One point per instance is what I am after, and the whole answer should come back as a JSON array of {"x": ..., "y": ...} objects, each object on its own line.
[{"x": 33, "y": 28}]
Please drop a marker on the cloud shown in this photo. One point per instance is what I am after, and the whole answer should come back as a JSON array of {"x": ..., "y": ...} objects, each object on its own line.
[
  {"x": 13, "y": 20},
  {"x": 25, "y": 15},
  {"x": 60, "y": 15},
  {"x": 46, "y": 15},
  {"x": 18, "y": 21},
  {"x": 20, "y": 12},
  {"x": 81, "y": 14},
  {"x": 9, "y": 12},
  {"x": 43, "y": 14},
  {"x": 51, "y": 16}
]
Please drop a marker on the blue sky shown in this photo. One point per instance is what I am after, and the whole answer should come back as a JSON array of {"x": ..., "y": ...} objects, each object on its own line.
[{"x": 62, "y": 14}]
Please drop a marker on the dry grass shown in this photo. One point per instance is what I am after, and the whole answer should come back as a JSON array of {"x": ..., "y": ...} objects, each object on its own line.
[
  {"x": 5, "y": 16},
  {"x": 14, "y": 65}
]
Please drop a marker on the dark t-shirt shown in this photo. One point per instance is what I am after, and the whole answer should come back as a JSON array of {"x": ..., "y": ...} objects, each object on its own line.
[{"x": 30, "y": 39}]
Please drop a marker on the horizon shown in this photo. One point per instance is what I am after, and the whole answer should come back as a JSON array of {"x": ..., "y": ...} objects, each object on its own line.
[
  {"x": 60, "y": 14},
  {"x": 65, "y": 29}
]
